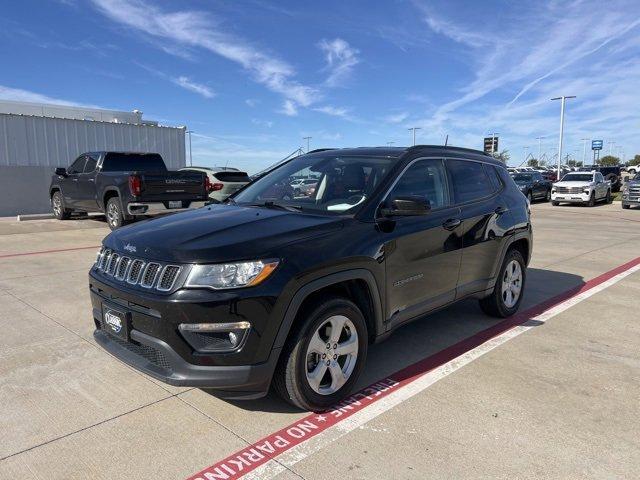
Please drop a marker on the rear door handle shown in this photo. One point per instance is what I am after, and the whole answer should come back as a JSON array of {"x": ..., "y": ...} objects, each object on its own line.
[
  {"x": 501, "y": 210},
  {"x": 451, "y": 224}
]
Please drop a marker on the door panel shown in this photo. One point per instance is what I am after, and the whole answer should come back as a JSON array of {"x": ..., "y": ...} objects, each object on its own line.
[
  {"x": 422, "y": 264},
  {"x": 86, "y": 186},
  {"x": 422, "y": 253},
  {"x": 69, "y": 183}
]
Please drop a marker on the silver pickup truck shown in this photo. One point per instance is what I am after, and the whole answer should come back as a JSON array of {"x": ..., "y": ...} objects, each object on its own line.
[{"x": 585, "y": 188}]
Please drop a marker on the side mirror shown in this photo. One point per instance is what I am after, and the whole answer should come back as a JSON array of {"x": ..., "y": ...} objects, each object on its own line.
[
  {"x": 61, "y": 171},
  {"x": 406, "y": 206}
]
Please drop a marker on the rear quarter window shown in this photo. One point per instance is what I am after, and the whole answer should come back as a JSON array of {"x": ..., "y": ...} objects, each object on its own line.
[{"x": 470, "y": 180}]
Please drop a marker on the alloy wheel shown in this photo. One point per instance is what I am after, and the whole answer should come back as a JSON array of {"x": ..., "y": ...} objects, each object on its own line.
[
  {"x": 57, "y": 205},
  {"x": 112, "y": 214},
  {"x": 511, "y": 283},
  {"x": 331, "y": 355}
]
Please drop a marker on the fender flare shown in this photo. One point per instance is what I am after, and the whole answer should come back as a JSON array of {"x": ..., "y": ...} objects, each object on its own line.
[
  {"x": 103, "y": 205},
  {"x": 322, "y": 282}
]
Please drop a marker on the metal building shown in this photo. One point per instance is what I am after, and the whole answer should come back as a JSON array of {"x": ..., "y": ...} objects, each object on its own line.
[{"x": 37, "y": 138}]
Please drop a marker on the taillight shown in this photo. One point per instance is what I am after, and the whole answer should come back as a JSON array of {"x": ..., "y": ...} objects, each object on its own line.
[
  {"x": 135, "y": 185},
  {"x": 207, "y": 184},
  {"x": 217, "y": 186}
]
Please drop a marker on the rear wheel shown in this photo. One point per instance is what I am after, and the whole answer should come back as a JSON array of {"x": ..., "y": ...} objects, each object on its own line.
[
  {"x": 547, "y": 198},
  {"x": 505, "y": 299},
  {"x": 114, "y": 215},
  {"x": 608, "y": 198},
  {"x": 626, "y": 207},
  {"x": 324, "y": 355},
  {"x": 57, "y": 204}
]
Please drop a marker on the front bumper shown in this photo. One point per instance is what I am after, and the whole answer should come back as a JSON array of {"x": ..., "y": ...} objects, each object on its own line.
[
  {"x": 570, "y": 197},
  {"x": 630, "y": 200},
  {"x": 156, "y": 208},
  {"x": 157, "y": 359},
  {"x": 156, "y": 346}
]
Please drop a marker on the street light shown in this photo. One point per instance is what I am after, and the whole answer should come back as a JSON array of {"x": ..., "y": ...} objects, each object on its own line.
[
  {"x": 413, "y": 129},
  {"x": 539, "y": 147},
  {"x": 563, "y": 98}
]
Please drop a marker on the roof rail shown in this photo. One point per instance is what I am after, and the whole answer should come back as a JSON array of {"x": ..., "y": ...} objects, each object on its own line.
[
  {"x": 449, "y": 147},
  {"x": 321, "y": 150}
]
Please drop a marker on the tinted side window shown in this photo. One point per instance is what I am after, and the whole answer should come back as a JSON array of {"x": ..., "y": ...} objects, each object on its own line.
[
  {"x": 470, "y": 181},
  {"x": 494, "y": 176},
  {"x": 599, "y": 177},
  {"x": 77, "y": 166},
  {"x": 90, "y": 166},
  {"x": 426, "y": 179}
]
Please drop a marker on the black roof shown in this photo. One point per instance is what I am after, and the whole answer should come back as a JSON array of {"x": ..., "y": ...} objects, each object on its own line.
[{"x": 418, "y": 149}]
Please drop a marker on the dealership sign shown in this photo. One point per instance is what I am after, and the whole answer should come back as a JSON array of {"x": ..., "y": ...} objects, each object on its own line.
[
  {"x": 490, "y": 144},
  {"x": 596, "y": 144}
]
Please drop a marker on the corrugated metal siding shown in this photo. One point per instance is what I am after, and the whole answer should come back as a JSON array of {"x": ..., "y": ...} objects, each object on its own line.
[{"x": 56, "y": 142}]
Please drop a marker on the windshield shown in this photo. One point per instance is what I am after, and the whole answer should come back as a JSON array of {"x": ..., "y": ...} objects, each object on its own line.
[
  {"x": 578, "y": 177},
  {"x": 332, "y": 185},
  {"x": 522, "y": 177}
]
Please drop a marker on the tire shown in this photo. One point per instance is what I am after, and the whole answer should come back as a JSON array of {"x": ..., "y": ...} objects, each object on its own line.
[
  {"x": 113, "y": 212},
  {"x": 626, "y": 207},
  {"x": 498, "y": 304},
  {"x": 293, "y": 376},
  {"x": 608, "y": 198},
  {"x": 592, "y": 200},
  {"x": 530, "y": 197},
  {"x": 57, "y": 204},
  {"x": 547, "y": 197},
  {"x": 555, "y": 203}
]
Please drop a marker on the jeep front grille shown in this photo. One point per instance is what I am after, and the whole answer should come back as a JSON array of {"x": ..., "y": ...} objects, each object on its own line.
[{"x": 135, "y": 271}]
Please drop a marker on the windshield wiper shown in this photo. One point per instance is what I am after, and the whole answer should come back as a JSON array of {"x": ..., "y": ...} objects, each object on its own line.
[{"x": 277, "y": 206}]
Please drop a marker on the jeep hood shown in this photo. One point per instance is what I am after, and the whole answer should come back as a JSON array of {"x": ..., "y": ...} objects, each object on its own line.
[{"x": 219, "y": 233}]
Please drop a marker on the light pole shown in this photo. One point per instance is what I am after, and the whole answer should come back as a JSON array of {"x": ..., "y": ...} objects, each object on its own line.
[
  {"x": 413, "y": 129},
  {"x": 493, "y": 141},
  {"x": 584, "y": 150},
  {"x": 307, "y": 139},
  {"x": 539, "y": 147},
  {"x": 190, "y": 156},
  {"x": 563, "y": 98}
]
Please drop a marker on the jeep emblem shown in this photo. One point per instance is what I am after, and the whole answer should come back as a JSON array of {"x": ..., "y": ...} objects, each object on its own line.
[
  {"x": 130, "y": 248},
  {"x": 113, "y": 321}
]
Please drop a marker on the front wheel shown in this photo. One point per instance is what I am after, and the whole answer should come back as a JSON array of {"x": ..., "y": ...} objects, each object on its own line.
[
  {"x": 505, "y": 299},
  {"x": 555, "y": 203},
  {"x": 592, "y": 200},
  {"x": 609, "y": 198},
  {"x": 57, "y": 204},
  {"x": 324, "y": 355},
  {"x": 547, "y": 198},
  {"x": 626, "y": 207},
  {"x": 530, "y": 198}
]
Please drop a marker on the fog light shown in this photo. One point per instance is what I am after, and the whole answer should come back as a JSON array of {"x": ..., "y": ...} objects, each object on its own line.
[{"x": 215, "y": 337}]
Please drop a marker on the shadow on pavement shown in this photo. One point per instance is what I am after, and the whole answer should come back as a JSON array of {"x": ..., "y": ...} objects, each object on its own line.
[{"x": 435, "y": 332}]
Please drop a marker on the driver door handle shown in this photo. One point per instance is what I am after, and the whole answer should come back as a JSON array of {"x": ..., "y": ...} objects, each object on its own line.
[{"x": 451, "y": 224}]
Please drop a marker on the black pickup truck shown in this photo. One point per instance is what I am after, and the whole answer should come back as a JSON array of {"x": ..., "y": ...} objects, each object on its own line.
[{"x": 125, "y": 186}]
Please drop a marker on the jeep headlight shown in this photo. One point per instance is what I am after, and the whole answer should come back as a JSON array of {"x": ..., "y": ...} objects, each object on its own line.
[{"x": 231, "y": 275}]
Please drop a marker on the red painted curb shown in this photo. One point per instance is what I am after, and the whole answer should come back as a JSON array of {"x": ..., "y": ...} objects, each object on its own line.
[
  {"x": 47, "y": 251},
  {"x": 251, "y": 457}
]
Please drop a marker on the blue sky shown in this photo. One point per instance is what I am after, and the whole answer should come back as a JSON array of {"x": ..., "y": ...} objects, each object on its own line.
[{"x": 251, "y": 78}]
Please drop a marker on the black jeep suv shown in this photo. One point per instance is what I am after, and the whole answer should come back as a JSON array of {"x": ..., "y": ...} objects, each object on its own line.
[{"x": 261, "y": 290}]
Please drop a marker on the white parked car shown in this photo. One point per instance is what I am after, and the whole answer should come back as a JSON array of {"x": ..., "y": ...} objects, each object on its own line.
[
  {"x": 585, "y": 188},
  {"x": 224, "y": 180}
]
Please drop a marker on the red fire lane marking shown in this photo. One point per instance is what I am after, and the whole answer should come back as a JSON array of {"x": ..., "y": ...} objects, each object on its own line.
[
  {"x": 41, "y": 252},
  {"x": 248, "y": 459}
]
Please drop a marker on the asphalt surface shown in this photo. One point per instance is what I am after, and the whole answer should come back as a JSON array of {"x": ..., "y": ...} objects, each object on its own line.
[{"x": 562, "y": 400}]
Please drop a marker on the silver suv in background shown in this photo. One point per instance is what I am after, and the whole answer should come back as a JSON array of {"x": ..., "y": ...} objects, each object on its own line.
[
  {"x": 631, "y": 192},
  {"x": 224, "y": 180},
  {"x": 585, "y": 188}
]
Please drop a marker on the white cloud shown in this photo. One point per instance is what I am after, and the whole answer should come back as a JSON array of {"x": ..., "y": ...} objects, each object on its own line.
[
  {"x": 340, "y": 58},
  {"x": 396, "y": 117},
  {"x": 262, "y": 123},
  {"x": 333, "y": 111},
  {"x": 547, "y": 50},
  {"x": 195, "y": 87},
  {"x": 196, "y": 29},
  {"x": 289, "y": 108},
  {"x": 19, "y": 95},
  {"x": 252, "y": 102}
]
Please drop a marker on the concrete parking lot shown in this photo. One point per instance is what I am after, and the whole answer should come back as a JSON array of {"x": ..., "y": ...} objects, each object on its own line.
[{"x": 561, "y": 400}]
